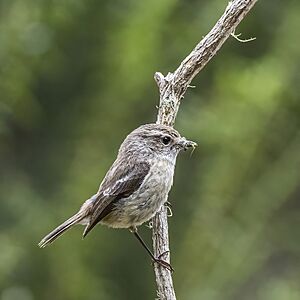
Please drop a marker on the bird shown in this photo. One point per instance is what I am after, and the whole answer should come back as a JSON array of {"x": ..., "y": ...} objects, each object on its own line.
[{"x": 135, "y": 187}]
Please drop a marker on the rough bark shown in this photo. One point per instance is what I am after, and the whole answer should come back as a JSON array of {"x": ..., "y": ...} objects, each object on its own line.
[{"x": 172, "y": 89}]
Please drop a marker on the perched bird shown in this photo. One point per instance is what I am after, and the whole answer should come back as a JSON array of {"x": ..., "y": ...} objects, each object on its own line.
[{"x": 136, "y": 185}]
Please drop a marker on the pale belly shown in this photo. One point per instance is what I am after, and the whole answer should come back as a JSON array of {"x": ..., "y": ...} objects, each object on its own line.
[{"x": 142, "y": 205}]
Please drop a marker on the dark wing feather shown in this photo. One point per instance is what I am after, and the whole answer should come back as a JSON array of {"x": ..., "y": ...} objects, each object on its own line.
[{"x": 118, "y": 183}]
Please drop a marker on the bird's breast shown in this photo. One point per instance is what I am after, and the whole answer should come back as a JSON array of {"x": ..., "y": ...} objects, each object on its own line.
[
  {"x": 147, "y": 200},
  {"x": 152, "y": 193},
  {"x": 161, "y": 176}
]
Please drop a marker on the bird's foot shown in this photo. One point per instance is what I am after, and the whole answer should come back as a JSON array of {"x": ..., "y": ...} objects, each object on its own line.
[
  {"x": 168, "y": 205},
  {"x": 163, "y": 263}
]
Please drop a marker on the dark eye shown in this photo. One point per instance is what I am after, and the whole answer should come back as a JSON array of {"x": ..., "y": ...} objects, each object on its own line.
[{"x": 166, "y": 140}]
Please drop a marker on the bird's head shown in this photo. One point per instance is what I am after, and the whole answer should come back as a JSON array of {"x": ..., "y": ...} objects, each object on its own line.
[{"x": 156, "y": 140}]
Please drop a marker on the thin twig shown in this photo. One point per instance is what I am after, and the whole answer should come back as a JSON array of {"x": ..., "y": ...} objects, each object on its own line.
[
  {"x": 172, "y": 88},
  {"x": 237, "y": 37}
]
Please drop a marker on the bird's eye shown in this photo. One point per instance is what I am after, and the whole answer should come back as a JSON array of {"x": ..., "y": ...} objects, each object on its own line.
[{"x": 166, "y": 140}]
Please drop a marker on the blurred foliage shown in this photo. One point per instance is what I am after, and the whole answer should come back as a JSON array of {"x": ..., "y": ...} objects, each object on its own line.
[{"x": 76, "y": 76}]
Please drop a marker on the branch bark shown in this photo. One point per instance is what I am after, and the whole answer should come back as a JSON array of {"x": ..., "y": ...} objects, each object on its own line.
[{"x": 172, "y": 89}]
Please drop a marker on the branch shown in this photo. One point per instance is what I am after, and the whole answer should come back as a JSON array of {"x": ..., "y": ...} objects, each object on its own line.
[{"x": 172, "y": 89}]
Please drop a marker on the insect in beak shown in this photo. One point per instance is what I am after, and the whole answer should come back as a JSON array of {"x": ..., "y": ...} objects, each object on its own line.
[{"x": 185, "y": 144}]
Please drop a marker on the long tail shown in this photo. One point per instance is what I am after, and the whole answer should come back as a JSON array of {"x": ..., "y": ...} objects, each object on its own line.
[{"x": 53, "y": 235}]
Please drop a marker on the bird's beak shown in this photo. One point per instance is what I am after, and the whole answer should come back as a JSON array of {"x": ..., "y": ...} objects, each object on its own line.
[{"x": 185, "y": 144}]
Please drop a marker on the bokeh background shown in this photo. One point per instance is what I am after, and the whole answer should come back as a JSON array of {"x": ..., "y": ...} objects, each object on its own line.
[{"x": 76, "y": 76}]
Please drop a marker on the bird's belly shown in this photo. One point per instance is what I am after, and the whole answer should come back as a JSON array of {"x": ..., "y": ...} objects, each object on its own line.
[
  {"x": 142, "y": 205},
  {"x": 133, "y": 211}
]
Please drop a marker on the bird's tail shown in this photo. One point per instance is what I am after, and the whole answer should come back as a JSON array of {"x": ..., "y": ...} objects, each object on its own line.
[{"x": 53, "y": 235}]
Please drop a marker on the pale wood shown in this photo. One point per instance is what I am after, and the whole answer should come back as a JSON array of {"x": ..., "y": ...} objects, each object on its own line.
[{"x": 172, "y": 89}]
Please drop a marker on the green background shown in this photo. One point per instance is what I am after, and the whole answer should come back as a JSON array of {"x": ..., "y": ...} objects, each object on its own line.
[{"x": 77, "y": 76}]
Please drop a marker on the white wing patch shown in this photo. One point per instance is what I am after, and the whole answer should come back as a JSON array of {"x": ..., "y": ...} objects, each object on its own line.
[{"x": 107, "y": 192}]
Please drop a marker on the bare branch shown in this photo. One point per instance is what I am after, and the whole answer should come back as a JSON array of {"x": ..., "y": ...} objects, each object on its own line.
[{"x": 172, "y": 89}]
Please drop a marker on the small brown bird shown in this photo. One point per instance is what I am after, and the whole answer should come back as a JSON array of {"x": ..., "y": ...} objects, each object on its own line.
[{"x": 136, "y": 185}]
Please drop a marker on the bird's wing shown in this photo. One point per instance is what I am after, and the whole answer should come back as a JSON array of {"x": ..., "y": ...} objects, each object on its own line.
[{"x": 118, "y": 183}]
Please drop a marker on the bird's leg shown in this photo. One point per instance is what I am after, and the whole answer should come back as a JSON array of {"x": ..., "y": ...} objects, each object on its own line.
[{"x": 157, "y": 260}]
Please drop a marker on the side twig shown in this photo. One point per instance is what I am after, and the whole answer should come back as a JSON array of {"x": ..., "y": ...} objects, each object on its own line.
[{"x": 172, "y": 89}]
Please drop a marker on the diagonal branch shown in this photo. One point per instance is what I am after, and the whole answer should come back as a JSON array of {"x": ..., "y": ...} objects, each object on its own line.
[{"x": 172, "y": 89}]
